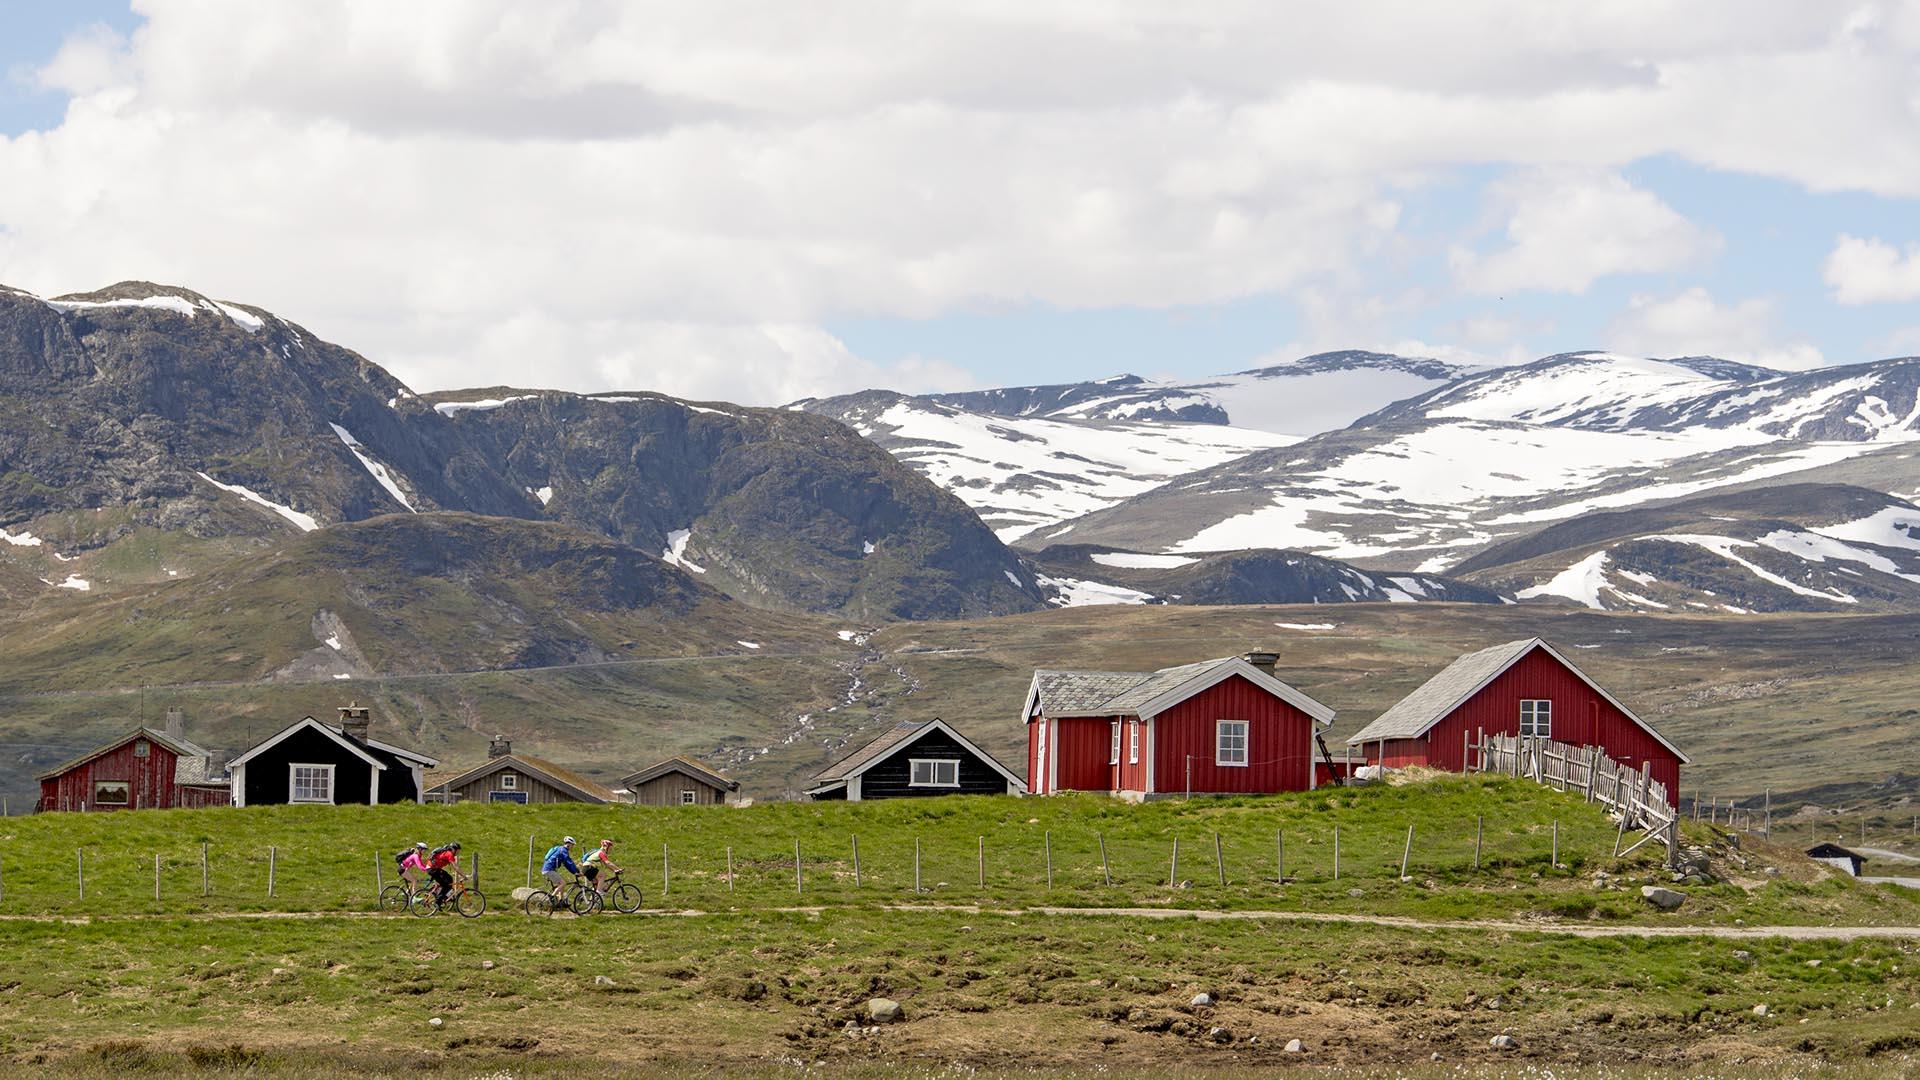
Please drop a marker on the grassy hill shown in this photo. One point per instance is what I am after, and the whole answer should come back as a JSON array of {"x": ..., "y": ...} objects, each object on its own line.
[{"x": 744, "y": 979}]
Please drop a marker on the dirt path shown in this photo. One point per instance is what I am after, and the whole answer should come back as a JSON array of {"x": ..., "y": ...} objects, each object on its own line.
[{"x": 1800, "y": 933}]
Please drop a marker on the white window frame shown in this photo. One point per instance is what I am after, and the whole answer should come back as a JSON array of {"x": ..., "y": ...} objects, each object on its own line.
[
  {"x": 125, "y": 784},
  {"x": 689, "y": 797},
  {"x": 1222, "y": 730},
  {"x": 1133, "y": 742},
  {"x": 509, "y": 781},
  {"x": 1536, "y": 722},
  {"x": 933, "y": 772},
  {"x": 293, "y": 774},
  {"x": 1113, "y": 749}
]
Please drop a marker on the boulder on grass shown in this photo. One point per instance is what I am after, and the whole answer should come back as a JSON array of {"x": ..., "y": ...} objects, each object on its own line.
[
  {"x": 1664, "y": 899},
  {"x": 883, "y": 1010}
]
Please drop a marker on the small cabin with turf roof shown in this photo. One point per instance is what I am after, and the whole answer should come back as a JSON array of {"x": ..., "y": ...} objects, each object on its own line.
[
  {"x": 915, "y": 760},
  {"x": 520, "y": 779},
  {"x": 1525, "y": 688},
  {"x": 679, "y": 781},
  {"x": 143, "y": 769},
  {"x": 341, "y": 764},
  {"x": 1219, "y": 727}
]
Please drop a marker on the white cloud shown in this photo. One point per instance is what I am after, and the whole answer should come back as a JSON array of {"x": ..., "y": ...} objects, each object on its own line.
[
  {"x": 601, "y": 184},
  {"x": 1692, "y": 323},
  {"x": 1870, "y": 270},
  {"x": 1567, "y": 228}
]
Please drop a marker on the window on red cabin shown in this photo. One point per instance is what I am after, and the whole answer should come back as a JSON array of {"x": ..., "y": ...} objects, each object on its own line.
[
  {"x": 111, "y": 793},
  {"x": 1536, "y": 718},
  {"x": 1229, "y": 742},
  {"x": 1113, "y": 751},
  {"x": 1133, "y": 743}
]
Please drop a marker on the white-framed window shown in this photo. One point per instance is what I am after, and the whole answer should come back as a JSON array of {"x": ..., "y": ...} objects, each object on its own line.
[
  {"x": 1133, "y": 743},
  {"x": 111, "y": 793},
  {"x": 509, "y": 781},
  {"x": 1113, "y": 749},
  {"x": 688, "y": 797},
  {"x": 1230, "y": 742},
  {"x": 934, "y": 772},
  {"x": 310, "y": 783},
  {"x": 1536, "y": 718}
]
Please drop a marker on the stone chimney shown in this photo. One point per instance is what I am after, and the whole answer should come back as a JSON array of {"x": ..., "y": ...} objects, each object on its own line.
[
  {"x": 355, "y": 721},
  {"x": 1262, "y": 660},
  {"x": 499, "y": 746},
  {"x": 176, "y": 722}
]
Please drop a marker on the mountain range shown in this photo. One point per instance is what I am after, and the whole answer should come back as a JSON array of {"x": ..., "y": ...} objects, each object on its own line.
[{"x": 203, "y": 496}]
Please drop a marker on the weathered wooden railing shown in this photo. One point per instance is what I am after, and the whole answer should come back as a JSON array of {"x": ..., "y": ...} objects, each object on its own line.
[{"x": 1638, "y": 799}]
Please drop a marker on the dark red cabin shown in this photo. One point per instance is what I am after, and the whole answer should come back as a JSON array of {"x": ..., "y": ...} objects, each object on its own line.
[
  {"x": 1219, "y": 727},
  {"x": 1519, "y": 688},
  {"x": 143, "y": 770}
]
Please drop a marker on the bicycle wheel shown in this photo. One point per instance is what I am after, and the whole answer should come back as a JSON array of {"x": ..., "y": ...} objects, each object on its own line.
[
  {"x": 539, "y": 903},
  {"x": 627, "y": 898},
  {"x": 585, "y": 901},
  {"x": 394, "y": 898},
  {"x": 424, "y": 904},
  {"x": 470, "y": 903}
]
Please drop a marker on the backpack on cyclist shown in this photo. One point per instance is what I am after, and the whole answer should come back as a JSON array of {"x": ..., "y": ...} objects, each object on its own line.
[{"x": 400, "y": 857}]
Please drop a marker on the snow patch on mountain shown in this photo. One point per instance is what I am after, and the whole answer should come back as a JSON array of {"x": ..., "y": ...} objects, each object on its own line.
[
  {"x": 676, "y": 551},
  {"x": 304, "y": 522},
  {"x": 374, "y": 469}
]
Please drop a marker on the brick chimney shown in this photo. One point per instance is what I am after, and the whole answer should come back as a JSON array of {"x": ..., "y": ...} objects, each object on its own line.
[
  {"x": 355, "y": 721},
  {"x": 499, "y": 746},
  {"x": 1262, "y": 660},
  {"x": 176, "y": 722}
]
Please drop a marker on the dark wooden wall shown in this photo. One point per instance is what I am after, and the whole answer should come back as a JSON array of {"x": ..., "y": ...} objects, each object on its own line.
[{"x": 889, "y": 779}]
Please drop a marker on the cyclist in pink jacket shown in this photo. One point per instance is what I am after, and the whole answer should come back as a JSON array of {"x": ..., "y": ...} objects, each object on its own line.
[{"x": 413, "y": 866}]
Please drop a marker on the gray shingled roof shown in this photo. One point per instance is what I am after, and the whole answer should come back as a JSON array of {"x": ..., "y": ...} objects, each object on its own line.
[
  {"x": 690, "y": 767},
  {"x": 1110, "y": 693},
  {"x": 878, "y": 748},
  {"x": 1414, "y": 714}
]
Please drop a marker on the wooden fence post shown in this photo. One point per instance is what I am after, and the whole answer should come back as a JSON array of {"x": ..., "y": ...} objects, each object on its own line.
[
  {"x": 666, "y": 867},
  {"x": 80, "y": 870},
  {"x": 379, "y": 879},
  {"x": 1173, "y": 865},
  {"x": 856, "y": 861},
  {"x": 1479, "y": 831},
  {"x": 529, "y": 862},
  {"x": 1279, "y": 856},
  {"x": 980, "y": 859},
  {"x": 1406, "y": 853},
  {"x": 1219, "y": 860},
  {"x": 476, "y": 871},
  {"x": 1106, "y": 868},
  {"x": 1621, "y": 834},
  {"x": 1336, "y": 853},
  {"x": 916, "y": 865},
  {"x": 1047, "y": 839},
  {"x": 273, "y": 859},
  {"x": 799, "y": 882},
  {"x": 156, "y": 877},
  {"x": 1555, "y": 860},
  {"x": 204, "y": 890},
  {"x": 729, "y": 867}
]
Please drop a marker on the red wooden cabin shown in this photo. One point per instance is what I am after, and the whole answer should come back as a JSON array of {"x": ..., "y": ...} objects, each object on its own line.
[
  {"x": 142, "y": 770},
  {"x": 1219, "y": 727},
  {"x": 1519, "y": 688}
]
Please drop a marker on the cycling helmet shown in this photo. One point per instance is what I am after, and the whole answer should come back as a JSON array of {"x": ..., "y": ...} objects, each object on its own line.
[
  {"x": 568, "y": 840},
  {"x": 422, "y": 845},
  {"x": 455, "y": 846},
  {"x": 606, "y": 843}
]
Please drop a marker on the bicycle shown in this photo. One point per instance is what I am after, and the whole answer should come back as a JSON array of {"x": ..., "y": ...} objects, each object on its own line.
[
  {"x": 463, "y": 898},
  {"x": 398, "y": 897},
  {"x": 547, "y": 901},
  {"x": 624, "y": 897}
]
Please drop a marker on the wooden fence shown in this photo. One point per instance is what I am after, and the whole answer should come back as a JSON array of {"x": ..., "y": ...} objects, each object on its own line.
[{"x": 1638, "y": 799}]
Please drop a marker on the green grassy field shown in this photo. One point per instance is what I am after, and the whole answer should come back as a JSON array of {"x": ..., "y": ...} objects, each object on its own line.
[{"x": 324, "y": 859}]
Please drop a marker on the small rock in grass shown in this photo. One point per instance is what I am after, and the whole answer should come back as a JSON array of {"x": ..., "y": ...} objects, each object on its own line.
[
  {"x": 883, "y": 1010},
  {"x": 1201, "y": 1000},
  {"x": 1761, "y": 1010},
  {"x": 1435, "y": 1056},
  {"x": 1295, "y": 1046},
  {"x": 279, "y": 971},
  {"x": 1772, "y": 871},
  {"x": 1220, "y": 1035},
  {"x": 602, "y": 980},
  {"x": 1356, "y": 893},
  {"x": 1503, "y": 1042},
  {"x": 1742, "y": 954},
  {"x": 1494, "y": 1004},
  {"x": 436, "y": 1022},
  {"x": 486, "y": 965},
  {"x": 1664, "y": 899},
  {"x": 1813, "y": 963}
]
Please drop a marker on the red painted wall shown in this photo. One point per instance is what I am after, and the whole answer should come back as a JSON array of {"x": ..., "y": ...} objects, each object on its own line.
[
  {"x": 1133, "y": 774},
  {"x": 1083, "y": 744},
  {"x": 1279, "y": 742},
  {"x": 1580, "y": 716},
  {"x": 150, "y": 780}
]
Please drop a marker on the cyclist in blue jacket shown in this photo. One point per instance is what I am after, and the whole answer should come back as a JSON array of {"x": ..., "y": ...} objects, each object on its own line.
[{"x": 558, "y": 856}]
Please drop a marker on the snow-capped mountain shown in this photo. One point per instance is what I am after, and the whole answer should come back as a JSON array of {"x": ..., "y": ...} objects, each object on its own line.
[
  {"x": 1303, "y": 397},
  {"x": 1425, "y": 483},
  {"x": 1088, "y": 574},
  {"x": 1022, "y": 473}
]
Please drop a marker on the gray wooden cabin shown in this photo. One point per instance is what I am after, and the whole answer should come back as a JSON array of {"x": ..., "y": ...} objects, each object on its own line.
[
  {"x": 679, "y": 781},
  {"x": 507, "y": 777}
]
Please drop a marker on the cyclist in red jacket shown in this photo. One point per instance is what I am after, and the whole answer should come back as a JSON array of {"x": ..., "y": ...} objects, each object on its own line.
[{"x": 441, "y": 866}]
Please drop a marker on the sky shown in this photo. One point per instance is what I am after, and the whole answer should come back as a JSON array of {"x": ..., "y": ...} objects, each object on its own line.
[{"x": 751, "y": 202}]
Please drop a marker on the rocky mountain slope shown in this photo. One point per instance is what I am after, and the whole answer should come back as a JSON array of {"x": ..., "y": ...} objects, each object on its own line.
[
  {"x": 1084, "y": 573},
  {"x": 150, "y": 432},
  {"x": 1428, "y": 482}
]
